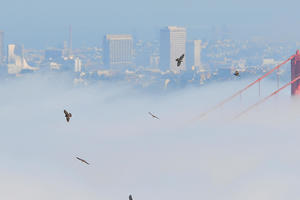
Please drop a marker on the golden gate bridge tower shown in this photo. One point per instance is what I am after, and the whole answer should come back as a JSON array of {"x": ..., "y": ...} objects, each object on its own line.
[{"x": 295, "y": 72}]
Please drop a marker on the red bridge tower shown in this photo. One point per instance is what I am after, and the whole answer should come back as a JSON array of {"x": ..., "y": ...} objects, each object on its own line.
[{"x": 295, "y": 72}]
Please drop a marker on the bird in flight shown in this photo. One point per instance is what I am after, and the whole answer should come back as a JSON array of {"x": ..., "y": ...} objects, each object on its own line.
[
  {"x": 84, "y": 161},
  {"x": 67, "y": 115},
  {"x": 179, "y": 60},
  {"x": 130, "y": 197},
  {"x": 153, "y": 115},
  {"x": 237, "y": 73}
]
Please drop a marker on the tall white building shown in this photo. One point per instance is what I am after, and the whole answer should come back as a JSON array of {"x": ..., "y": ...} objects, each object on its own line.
[
  {"x": 193, "y": 54},
  {"x": 118, "y": 50},
  {"x": 172, "y": 46},
  {"x": 77, "y": 65}
]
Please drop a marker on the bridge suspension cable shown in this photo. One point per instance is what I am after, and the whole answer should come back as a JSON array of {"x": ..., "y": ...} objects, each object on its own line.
[
  {"x": 266, "y": 98},
  {"x": 242, "y": 90}
]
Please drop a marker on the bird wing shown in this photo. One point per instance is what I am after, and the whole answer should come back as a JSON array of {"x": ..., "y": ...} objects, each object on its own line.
[
  {"x": 68, "y": 118},
  {"x": 153, "y": 115},
  {"x": 130, "y": 197},
  {"x": 181, "y": 57},
  {"x": 66, "y": 112},
  {"x": 78, "y": 158},
  {"x": 84, "y": 161}
]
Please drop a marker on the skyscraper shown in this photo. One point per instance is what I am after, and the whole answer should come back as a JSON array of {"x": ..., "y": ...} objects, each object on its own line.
[
  {"x": 193, "y": 54},
  {"x": 77, "y": 65},
  {"x": 295, "y": 72},
  {"x": 118, "y": 50},
  {"x": 1, "y": 46},
  {"x": 172, "y": 46}
]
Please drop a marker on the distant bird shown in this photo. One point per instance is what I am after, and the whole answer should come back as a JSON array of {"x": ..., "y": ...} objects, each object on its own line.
[
  {"x": 179, "y": 60},
  {"x": 153, "y": 115},
  {"x": 237, "y": 73},
  {"x": 67, "y": 115},
  {"x": 82, "y": 160},
  {"x": 130, "y": 197}
]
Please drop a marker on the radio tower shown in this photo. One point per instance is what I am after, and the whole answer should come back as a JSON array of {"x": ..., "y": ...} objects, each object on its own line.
[{"x": 70, "y": 40}]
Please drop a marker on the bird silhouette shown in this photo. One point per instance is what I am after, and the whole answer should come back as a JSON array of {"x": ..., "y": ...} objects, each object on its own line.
[
  {"x": 84, "y": 161},
  {"x": 67, "y": 115},
  {"x": 153, "y": 115},
  {"x": 179, "y": 60},
  {"x": 237, "y": 73}
]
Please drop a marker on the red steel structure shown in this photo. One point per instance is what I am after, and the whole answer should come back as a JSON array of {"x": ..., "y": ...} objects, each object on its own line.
[
  {"x": 295, "y": 72},
  {"x": 266, "y": 98},
  {"x": 295, "y": 58},
  {"x": 295, "y": 83}
]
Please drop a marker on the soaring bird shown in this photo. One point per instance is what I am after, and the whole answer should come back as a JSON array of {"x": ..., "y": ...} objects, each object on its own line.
[
  {"x": 179, "y": 60},
  {"x": 67, "y": 115},
  {"x": 153, "y": 115},
  {"x": 82, "y": 160},
  {"x": 237, "y": 73},
  {"x": 130, "y": 197}
]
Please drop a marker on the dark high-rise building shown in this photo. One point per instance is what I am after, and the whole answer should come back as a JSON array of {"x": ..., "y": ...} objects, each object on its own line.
[
  {"x": 1, "y": 46},
  {"x": 295, "y": 72}
]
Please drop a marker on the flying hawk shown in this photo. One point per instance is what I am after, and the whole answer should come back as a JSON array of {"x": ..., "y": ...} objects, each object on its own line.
[
  {"x": 179, "y": 60},
  {"x": 67, "y": 115},
  {"x": 82, "y": 160},
  {"x": 153, "y": 115},
  {"x": 237, "y": 73}
]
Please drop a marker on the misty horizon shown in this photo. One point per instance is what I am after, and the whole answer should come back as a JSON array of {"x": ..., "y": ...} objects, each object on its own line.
[{"x": 40, "y": 24}]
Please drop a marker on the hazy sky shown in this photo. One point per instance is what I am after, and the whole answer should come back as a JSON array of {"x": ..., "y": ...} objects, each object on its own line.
[{"x": 41, "y": 23}]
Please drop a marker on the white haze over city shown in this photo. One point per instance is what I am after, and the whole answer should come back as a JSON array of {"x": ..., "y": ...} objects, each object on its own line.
[
  {"x": 254, "y": 157},
  {"x": 44, "y": 23}
]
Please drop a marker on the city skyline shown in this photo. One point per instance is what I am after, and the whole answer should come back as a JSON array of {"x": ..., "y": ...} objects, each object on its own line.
[{"x": 153, "y": 63}]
